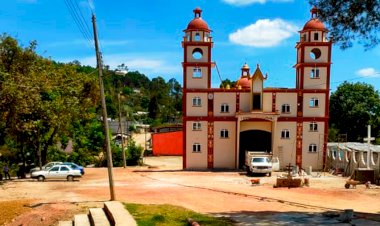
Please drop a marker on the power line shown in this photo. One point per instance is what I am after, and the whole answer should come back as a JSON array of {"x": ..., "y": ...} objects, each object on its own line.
[{"x": 79, "y": 21}]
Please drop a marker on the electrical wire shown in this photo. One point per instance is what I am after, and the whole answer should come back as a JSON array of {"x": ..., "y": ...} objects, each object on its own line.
[{"x": 79, "y": 20}]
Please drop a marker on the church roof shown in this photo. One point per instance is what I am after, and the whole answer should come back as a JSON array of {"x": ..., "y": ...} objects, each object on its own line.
[
  {"x": 258, "y": 73},
  {"x": 314, "y": 23},
  {"x": 197, "y": 23}
]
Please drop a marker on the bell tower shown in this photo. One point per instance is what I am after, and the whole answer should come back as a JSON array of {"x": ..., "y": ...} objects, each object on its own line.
[
  {"x": 312, "y": 84},
  {"x": 197, "y": 44}
]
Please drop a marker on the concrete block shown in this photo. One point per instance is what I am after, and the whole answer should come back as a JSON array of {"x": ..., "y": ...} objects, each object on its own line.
[
  {"x": 118, "y": 215},
  {"x": 81, "y": 220},
  {"x": 98, "y": 217},
  {"x": 65, "y": 223}
]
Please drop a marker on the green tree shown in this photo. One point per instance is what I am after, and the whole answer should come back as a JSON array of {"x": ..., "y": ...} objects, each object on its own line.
[
  {"x": 350, "y": 20},
  {"x": 40, "y": 99},
  {"x": 353, "y": 106}
]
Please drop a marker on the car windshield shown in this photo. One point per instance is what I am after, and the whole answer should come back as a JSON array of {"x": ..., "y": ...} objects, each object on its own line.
[{"x": 260, "y": 160}]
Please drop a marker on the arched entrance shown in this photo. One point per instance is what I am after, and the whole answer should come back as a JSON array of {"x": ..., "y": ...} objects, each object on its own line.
[{"x": 254, "y": 140}]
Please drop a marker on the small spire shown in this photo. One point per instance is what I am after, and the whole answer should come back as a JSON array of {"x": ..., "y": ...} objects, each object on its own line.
[
  {"x": 314, "y": 12},
  {"x": 197, "y": 12},
  {"x": 258, "y": 66}
]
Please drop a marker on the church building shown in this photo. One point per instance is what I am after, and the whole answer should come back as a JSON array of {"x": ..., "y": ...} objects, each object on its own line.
[{"x": 220, "y": 124}]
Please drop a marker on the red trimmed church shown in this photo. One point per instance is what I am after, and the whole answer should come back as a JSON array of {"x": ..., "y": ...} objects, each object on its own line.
[{"x": 220, "y": 124}]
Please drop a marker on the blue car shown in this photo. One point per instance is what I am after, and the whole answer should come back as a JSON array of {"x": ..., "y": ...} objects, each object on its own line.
[{"x": 74, "y": 166}]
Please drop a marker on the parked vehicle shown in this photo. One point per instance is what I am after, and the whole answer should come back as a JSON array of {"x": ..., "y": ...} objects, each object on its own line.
[
  {"x": 74, "y": 166},
  {"x": 57, "y": 172},
  {"x": 258, "y": 162},
  {"x": 45, "y": 167}
]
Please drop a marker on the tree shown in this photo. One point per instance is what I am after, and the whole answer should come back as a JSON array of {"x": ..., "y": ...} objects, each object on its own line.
[
  {"x": 350, "y": 20},
  {"x": 353, "y": 106}
]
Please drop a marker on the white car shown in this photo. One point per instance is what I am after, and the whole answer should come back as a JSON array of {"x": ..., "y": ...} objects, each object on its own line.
[{"x": 57, "y": 172}]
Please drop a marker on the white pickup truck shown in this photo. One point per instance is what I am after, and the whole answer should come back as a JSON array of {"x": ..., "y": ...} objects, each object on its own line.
[{"x": 260, "y": 162}]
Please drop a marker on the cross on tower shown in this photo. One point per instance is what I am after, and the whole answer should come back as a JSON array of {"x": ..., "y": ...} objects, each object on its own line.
[{"x": 368, "y": 139}]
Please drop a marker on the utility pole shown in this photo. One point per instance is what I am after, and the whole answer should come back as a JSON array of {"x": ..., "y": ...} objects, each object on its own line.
[
  {"x": 369, "y": 139},
  {"x": 122, "y": 133},
  {"x": 104, "y": 110}
]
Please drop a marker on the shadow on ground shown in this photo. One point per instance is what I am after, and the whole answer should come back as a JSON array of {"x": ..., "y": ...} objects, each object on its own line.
[{"x": 248, "y": 218}]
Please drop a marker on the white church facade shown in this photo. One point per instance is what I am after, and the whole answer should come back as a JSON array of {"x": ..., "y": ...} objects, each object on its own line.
[{"x": 220, "y": 124}]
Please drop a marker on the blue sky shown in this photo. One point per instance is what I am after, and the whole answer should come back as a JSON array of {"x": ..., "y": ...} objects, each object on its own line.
[{"x": 146, "y": 35}]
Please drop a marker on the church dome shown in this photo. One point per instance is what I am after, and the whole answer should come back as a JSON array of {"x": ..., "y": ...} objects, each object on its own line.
[
  {"x": 244, "y": 83},
  {"x": 197, "y": 23},
  {"x": 314, "y": 23}
]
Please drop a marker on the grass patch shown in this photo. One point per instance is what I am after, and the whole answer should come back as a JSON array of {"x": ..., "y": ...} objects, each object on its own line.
[{"x": 168, "y": 215}]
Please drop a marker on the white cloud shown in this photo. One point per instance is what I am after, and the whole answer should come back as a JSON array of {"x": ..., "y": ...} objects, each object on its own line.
[
  {"x": 368, "y": 72},
  {"x": 249, "y": 2},
  {"x": 264, "y": 33}
]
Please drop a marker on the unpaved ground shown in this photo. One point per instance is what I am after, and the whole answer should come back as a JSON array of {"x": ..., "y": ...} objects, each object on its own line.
[{"x": 219, "y": 193}]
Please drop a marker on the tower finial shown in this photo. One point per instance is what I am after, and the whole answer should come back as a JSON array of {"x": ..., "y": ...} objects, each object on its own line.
[
  {"x": 197, "y": 12},
  {"x": 314, "y": 12}
]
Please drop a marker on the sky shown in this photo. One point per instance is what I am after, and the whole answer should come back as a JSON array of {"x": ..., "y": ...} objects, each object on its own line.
[{"x": 146, "y": 36}]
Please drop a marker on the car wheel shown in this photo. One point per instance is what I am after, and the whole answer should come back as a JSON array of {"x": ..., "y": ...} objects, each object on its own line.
[
  {"x": 70, "y": 178},
  {"x": 41, "y": 178},
  {"x": 269, "y": 174}
]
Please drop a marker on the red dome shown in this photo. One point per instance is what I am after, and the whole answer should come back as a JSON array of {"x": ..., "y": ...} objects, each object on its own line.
[
  {"x": 314, "y": 24},
  {"x": 197, "y": 23},
  {"x": 243, "y": 82}
]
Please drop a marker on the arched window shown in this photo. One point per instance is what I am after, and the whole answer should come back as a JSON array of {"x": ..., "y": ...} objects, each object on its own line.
[{"x": 197, "y": 37}]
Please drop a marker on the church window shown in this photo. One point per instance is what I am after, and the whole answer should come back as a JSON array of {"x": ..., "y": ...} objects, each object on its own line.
[
  {"x": 197, "y": 53},
  {"x": 285, "y": 134},
  {"x": 316, "y": 36},
  {"x": 314, "y": 73},
  {"x": 313, "y": 127},
  {"x": 224, "y": 108},
  {"x": 197, "y": 72},
  {"x": 313, "y": 102},
  {"x": 315, "y": 53},
  {"x": 312, "y": 148},
  {"x": 197, "y": 126},
  {"x": 197, "y": 102},
  {"x": 285, "y": 108},
  {"x": 256, "y": 102},
  {"x": 224, "y": 133},
  {"x": 206, "y": 38},
  {"x": 196, "y": 147},
  {"x": 197, "y": 37}
]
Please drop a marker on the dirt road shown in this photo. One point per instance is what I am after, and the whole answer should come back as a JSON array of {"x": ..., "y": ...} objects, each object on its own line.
[{"x": 219, "y": 193}]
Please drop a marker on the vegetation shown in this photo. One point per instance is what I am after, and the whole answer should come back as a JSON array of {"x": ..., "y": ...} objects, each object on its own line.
[
  {"x": 351, "y": 20},
  {"x": 45, "y": 105},
  {"x": 353, "y": 106},
  {"x": 169, "y": 215}
]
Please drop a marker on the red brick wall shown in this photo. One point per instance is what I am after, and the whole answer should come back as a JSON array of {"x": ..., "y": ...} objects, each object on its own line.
[{"x": 170, "y": 143}]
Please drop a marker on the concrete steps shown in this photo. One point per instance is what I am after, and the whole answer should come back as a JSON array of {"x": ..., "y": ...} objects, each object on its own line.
[{"x": 112, "y": 214}]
